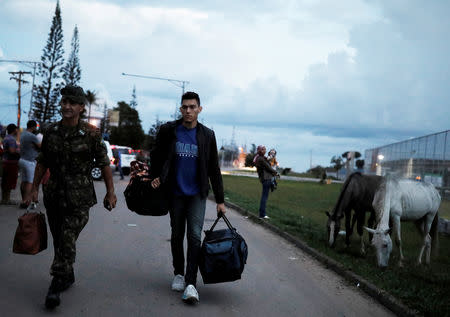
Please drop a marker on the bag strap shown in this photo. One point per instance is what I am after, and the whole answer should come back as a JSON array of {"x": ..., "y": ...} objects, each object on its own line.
[{"x": 221, "y": 215}]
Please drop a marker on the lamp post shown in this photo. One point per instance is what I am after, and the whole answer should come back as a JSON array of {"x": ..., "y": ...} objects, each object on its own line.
[{"x": 179, "y": 83}]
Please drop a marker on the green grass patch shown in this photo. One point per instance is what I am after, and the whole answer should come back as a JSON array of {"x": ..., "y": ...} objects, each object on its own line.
[
  {"x": 307, "y": 175},
  {"x": 299, "y": 209}
]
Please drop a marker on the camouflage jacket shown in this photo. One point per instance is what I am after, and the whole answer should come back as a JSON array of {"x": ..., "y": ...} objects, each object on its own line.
[{"x": 69, "y": 153}]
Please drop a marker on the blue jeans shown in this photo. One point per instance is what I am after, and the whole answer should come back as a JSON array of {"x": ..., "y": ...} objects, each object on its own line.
[
  {"x": 190, "y": 210},
  {"x": 264, "y": 196}
]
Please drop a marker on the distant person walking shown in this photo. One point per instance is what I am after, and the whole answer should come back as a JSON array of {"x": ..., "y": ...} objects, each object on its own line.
[
  {"x": 10, "y": 164},
  {"x": 29, "y": 146},
  {"x": 265, "y": 174},
  {"x": 119, "y": 164},
  {"x": 185, "y": 160},
  {"x": 69, "y": 148}
]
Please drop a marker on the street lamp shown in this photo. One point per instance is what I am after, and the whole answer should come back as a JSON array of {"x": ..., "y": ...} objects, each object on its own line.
[
  {"x": 380, "y": 159},
  {"x": 179, "y": 83}
]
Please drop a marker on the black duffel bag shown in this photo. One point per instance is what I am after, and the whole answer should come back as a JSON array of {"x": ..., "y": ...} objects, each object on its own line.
[
  {"x": 223, "y": 254},
  {"x": 141, "y": 197}
]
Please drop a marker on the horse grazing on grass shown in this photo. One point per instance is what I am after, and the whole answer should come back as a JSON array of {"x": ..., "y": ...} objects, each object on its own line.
[
  {"x": 357, "y": 194},
  {"x": 407, "y": 200}
]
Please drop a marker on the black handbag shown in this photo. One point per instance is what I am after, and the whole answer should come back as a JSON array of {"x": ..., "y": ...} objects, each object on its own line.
[
  {"x": 223, "y": 254},
  {"x": 141, "y": 197},
  {"x": 31, "y": 233}
]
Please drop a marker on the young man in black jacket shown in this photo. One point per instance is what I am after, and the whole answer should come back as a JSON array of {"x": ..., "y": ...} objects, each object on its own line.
[{"x": 184, "y": 160}]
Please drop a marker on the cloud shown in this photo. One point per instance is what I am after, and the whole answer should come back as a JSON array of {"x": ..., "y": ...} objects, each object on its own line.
[
  {"x": 296, "y": 75},
  {"x": 390, "y": 79}
]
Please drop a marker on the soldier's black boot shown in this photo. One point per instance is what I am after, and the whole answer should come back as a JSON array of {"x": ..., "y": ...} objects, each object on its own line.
[
  {"x": 59, "y": 284},
  {"x": 52, "y": 299}
]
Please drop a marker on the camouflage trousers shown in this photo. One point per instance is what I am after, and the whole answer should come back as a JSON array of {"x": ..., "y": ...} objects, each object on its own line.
[{"x": 65, "y": 226}]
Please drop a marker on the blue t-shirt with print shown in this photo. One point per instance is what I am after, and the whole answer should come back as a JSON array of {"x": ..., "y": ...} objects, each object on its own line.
[{"x": 186, "y": 162}]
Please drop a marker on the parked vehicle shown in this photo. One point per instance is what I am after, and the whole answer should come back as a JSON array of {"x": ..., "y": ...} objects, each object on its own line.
[
  {"x": 127, "y": 155},
  {"x": 96, "y": 171}
]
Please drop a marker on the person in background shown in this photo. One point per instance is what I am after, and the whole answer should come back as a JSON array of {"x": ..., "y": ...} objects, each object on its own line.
[
  {"x": 119, "y": 164},
  {"x": 29, "y": 145},
  {"x": 265, "y": 174},
  {"x": 10, "y": 164},
  {"x": 69, "y": 148},
  {"x": 185, "y": 161},
  {"x": 272, "y": 158},
  {"x": 360, "y": 166}
]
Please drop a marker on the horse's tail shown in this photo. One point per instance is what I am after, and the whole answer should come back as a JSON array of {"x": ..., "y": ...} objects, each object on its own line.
[{"x": 434, "y": 233}]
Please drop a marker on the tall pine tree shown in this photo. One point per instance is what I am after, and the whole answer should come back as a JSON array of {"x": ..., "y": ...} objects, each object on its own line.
[
  {"x": 133, "y": 102},
  {"x": 72, "y": 70},
  {"x": 46, "y": 94}
]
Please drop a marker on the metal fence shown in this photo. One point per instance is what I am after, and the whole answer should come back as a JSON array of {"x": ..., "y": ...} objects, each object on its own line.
[{"x": 425, "y": 158}]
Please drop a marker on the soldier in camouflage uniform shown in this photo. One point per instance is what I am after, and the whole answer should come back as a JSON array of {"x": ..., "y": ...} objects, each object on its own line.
[{"x": 69, "y": 148}]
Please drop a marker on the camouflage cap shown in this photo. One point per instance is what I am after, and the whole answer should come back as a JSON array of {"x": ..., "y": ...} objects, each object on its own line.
[{"x": 74, "y": 93}]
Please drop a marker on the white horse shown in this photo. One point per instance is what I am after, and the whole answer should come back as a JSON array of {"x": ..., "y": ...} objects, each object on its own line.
[{"x": 406, "y": 200}]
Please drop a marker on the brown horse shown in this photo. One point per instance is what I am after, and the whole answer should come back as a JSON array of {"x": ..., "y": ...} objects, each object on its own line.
[{"x": 357, "y": 194}]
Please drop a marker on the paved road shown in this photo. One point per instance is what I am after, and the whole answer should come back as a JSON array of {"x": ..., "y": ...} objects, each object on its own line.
[{"x": 123, "y": 268}]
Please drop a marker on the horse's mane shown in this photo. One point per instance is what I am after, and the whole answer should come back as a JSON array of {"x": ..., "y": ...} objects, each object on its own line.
[
  {"x": 341, "y": 195},
  {"x": 380, "y": 195},
  {"x": 378, "y": 200}
]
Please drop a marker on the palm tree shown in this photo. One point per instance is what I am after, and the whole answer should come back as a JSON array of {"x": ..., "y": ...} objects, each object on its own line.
[{"x": 91, "y": 97}]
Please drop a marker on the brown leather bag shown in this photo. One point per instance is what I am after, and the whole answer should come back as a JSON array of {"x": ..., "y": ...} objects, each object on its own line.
[{"x": 31, "y": 233}]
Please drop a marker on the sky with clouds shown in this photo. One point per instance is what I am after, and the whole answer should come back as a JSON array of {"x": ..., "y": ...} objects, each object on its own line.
[{"x": 304, "y": 77}]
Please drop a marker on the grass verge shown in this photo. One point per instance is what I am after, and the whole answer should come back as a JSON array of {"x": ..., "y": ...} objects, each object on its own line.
[{"x": 299, "y": 209}]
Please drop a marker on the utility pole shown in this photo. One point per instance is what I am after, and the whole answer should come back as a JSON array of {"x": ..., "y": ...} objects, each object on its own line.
[
  {"x": 31, "y": 64},
  {"x": 19, "y": 81},
  {"x": 105, "y": 114}
]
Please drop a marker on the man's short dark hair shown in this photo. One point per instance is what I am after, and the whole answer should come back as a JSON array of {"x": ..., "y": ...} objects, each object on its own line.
[
  {"x": 190, "y": 95},
  {"x": 11, "y": 128},
  {"x": 31, "y": 124}
]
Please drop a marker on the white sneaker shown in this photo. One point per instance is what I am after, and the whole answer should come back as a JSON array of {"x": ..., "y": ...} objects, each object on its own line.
[
  {"x": 190, "y": 295},
  {"x": 178, "y": 283},
  {"x": 266, "y": 217}
]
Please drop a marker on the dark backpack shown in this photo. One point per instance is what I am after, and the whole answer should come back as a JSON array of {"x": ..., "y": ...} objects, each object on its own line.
[{"x": 223, "y": 254}]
